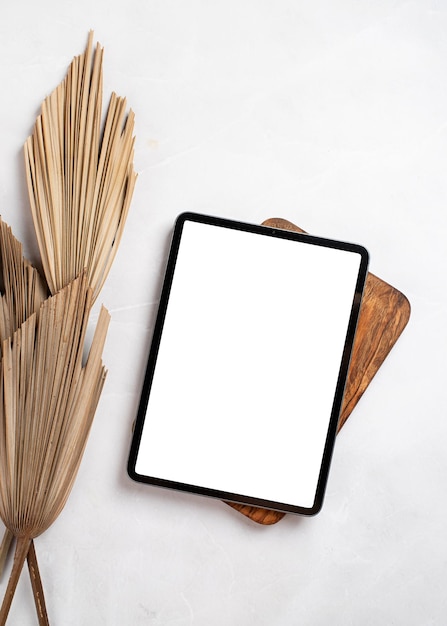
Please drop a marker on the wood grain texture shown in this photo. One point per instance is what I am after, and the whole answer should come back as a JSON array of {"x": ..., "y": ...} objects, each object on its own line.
[{"x": 384, "y": 313}]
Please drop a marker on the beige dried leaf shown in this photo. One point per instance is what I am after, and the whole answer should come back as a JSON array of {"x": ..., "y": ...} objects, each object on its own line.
[
  {"x": 47, "y": 403},
  {"x": 80, "y": 176}
]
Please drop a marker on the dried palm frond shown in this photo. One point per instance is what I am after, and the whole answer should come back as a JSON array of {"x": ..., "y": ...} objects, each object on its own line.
[
  {"x": 47, "y": 400},
  {"x": 80, "y": 177},
  {"x": 80, "y": 180},
  {"x": 23, "y": 292}
]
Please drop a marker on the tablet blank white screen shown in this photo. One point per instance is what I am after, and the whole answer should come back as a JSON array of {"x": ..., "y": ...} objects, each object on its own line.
[{"x": 248, "y": 364}]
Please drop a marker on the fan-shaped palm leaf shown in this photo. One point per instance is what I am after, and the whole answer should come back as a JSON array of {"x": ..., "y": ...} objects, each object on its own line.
[
  {"x": 47, "y": 403},
  {"x": 80, "y": 180},
  {"x": 23, "y": 292}
]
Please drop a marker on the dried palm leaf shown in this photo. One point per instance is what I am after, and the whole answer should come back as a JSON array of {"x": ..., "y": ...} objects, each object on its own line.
[
  {"x": 80, "y": 177},
  {"x": 47, "y": 402},
  {"x": 23, "y": 292}
]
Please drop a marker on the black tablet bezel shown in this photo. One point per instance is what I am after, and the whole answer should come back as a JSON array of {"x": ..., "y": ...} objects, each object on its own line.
[{"x": 156, "y": 339}]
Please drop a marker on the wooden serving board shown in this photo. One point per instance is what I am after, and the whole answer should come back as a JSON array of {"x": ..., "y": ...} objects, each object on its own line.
[{"x": 384, "y": 313}]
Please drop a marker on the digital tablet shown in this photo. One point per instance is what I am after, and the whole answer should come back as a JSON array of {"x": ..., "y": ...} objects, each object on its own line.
[{"x": 248, "y": 363}]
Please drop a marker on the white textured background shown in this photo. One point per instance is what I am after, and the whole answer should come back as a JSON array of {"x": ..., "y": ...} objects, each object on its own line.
[{"x": 329, "y": 113}]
